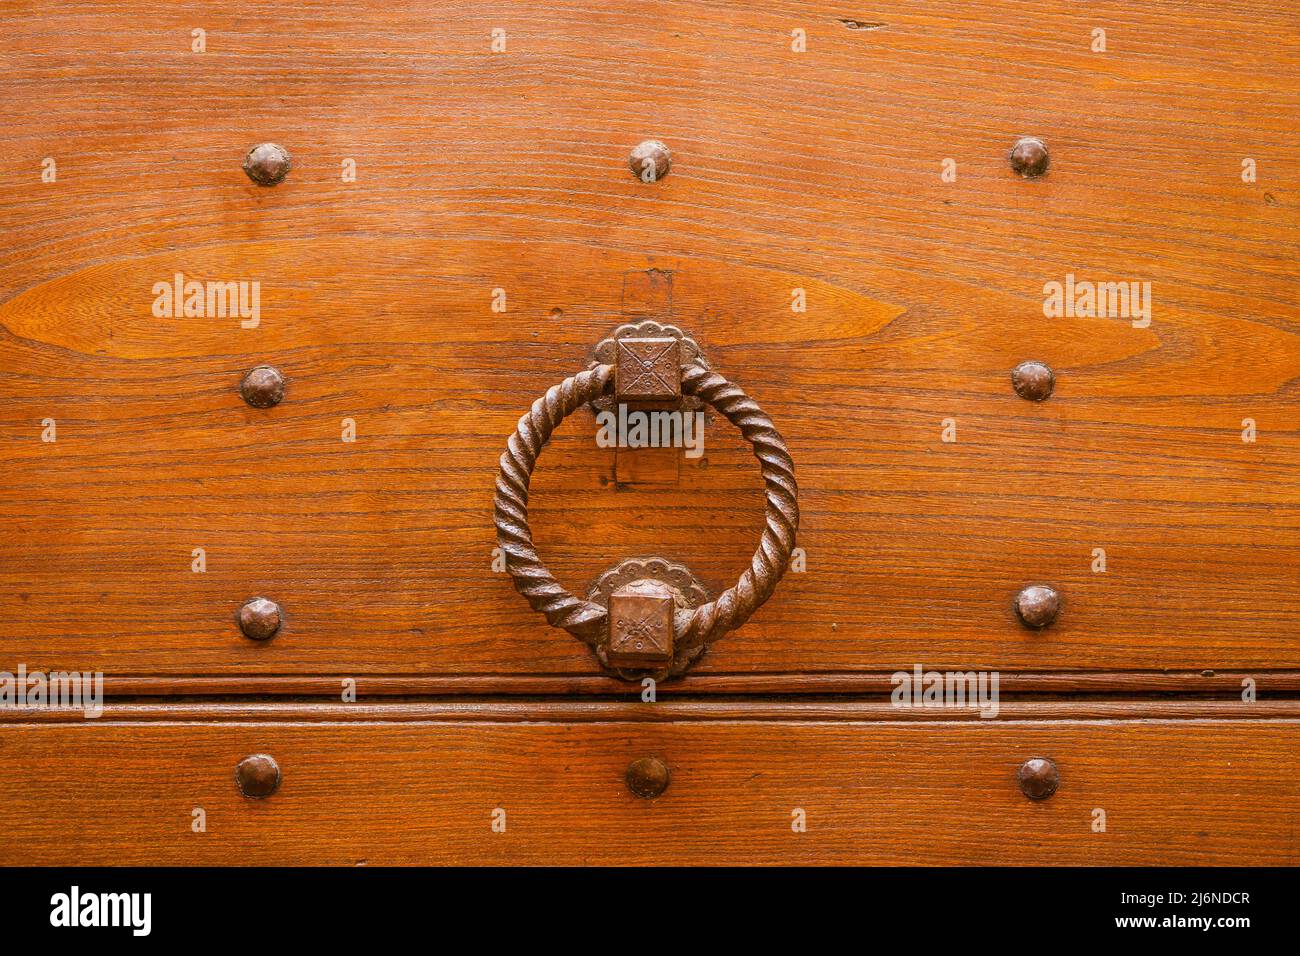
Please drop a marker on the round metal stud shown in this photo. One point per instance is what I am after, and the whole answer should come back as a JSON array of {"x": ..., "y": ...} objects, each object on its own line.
[
  {"x": 1038, "y": 605},
  {"x": 267, "y": 164},
  {"x": 1033, "y": 381},
  {"x": 1038, "y": 778},
  {"x": 647, "y": 777},
  {"x": 1029, "y": 157},
  {"x": 259, "y": 619},
  {"x": 258, "y": 776},
  {"x": 650, "y": 161},
  {"x": 262, "y": 387}
]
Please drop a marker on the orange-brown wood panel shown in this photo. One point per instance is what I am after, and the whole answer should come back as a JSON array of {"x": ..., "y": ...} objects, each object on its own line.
[
  {"x": 383, "y": 790},
  {"x": 818, "y": 170}
]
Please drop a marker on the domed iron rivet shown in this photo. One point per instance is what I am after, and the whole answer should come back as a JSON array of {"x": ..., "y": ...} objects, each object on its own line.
[
  {"x": 647, "y": 777},
  {"x": 267, "y": 164},
  {"x": 1033, "y": 381},
  {"x": 258, "y": 776},
  {"x": 1038, "y": 605},
  {"x": 1038, "y": 778},
  {"x": 650, "y": 161},
  {"x": 1029, "y": 157},
  {"x": 259, "y": 619},
  {"x": 262, "y": 387}
]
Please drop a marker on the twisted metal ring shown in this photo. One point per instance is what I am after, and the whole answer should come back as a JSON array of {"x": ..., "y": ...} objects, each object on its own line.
[{"x": 694, "y": 628}]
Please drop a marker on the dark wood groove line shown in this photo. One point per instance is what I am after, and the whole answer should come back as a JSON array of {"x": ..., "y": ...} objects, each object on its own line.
[{"x": 663, "y": 712}]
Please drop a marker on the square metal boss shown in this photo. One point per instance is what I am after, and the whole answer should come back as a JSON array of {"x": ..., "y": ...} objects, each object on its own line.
[
  {"x": 641, "y": 624},
  {"x": 648, "y": 370}
]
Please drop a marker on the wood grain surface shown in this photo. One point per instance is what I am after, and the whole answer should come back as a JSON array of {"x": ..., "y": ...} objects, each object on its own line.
[
  {"x": 1172, "y": 792},
  {"x": 818, "y": 170}
]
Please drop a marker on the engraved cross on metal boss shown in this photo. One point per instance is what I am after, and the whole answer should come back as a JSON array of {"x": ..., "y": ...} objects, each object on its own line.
[
  {"x": 641, "y": 624},
  {"x": 648, "y": 370}
]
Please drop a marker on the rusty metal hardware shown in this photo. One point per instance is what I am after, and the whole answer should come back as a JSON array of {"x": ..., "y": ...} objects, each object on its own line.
[
  {"x": 258, "y": 776},
  {"x": 1038, "y": 778},
  {"x": 267, "y": 164},
  {"x": 262, "y": 387},
  {"x": 260, "y": 619},
  {"x": 1038, "y": 605},
  {"x": 647, "y": 777},
  {"x": 1033, "y": 381},
  {"x": 646, "y": 616},
  {"x": 650, "y": 161},
  {"x": 624, "y": 346},
  {"x": 642, "y": 623},
  {"x": 1029, "y": 157}
]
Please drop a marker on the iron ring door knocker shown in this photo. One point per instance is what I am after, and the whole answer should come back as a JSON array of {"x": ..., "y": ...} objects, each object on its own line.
[{"x": 646, "y": 616}]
